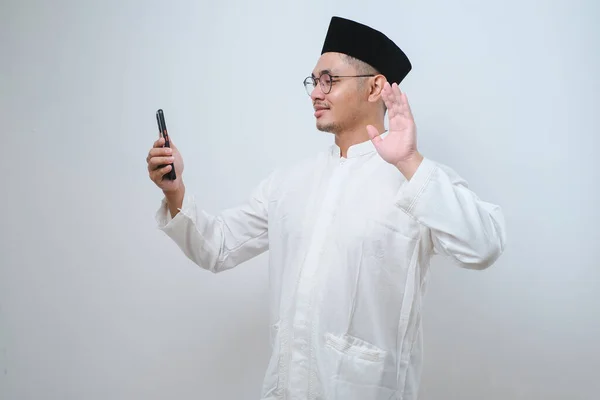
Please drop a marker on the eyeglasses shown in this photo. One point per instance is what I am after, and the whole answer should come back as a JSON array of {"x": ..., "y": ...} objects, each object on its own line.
[{"x": 325, "y": 81}]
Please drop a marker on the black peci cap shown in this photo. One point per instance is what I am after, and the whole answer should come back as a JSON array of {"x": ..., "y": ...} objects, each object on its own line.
[{"x": 368, "y": 45}]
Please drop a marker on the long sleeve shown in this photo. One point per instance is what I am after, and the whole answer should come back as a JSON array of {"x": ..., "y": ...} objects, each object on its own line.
[
  {"x": 220, "y": 242},
  {"x": 463, "y": 227}
]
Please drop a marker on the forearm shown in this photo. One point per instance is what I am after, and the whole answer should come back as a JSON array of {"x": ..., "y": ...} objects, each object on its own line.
[
  {"x": 175, "y": 200},
  {"x": 469, "y": 230},
  {"x": 216, "y": 242}
]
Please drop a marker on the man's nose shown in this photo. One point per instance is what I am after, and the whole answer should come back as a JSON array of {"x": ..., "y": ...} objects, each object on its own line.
[{"x": 317, "y": 93}]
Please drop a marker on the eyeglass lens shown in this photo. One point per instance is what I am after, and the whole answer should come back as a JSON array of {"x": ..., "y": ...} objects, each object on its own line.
[{"x": 324, "y": 80}]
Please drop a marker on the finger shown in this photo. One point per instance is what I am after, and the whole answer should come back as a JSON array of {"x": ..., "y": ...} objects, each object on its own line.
[
  {"x": 393, "y": 105},
  {"x": 396, "y": 90},
  {"x": 397, "y": 94},
  {"x": 387, "y": 99},
  {"x": 388, "y": 92},
  {"x": 374, "y": 135},
  {"x": 402, "y": 99},
  {"x": 155, "y": 162},
  {"x": 159, "y": 152},
  {"x": 154, "y": 145},
  {"x": 408, "y": 110},
  {"x": 160, "y": 142},
  {"x": 157, "y": 175}
]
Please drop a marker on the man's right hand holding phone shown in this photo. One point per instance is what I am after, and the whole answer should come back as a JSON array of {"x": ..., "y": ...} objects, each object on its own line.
[{"x": 159, "y": 160}]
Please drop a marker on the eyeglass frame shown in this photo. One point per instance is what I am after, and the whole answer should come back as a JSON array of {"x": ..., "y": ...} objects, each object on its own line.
[{"x": 314, "y": 80}]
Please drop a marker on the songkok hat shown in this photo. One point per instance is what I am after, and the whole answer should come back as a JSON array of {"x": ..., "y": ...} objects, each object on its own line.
[{"x": 368, "y": 45}]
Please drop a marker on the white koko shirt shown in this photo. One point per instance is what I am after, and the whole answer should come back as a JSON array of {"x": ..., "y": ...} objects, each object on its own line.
[{"x": 350, "y": 242}]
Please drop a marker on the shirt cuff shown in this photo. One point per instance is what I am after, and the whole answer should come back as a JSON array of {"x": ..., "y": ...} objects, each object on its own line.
[
  {"x": 412, "y": 189},
  {"x": 163, "y": 214}
]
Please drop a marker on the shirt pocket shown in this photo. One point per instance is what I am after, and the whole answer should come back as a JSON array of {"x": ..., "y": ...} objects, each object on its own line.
[{"x": 356, "y": 369}]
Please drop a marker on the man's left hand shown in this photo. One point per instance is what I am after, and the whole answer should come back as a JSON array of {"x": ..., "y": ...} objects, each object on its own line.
[{"x": 399, "y": 147}]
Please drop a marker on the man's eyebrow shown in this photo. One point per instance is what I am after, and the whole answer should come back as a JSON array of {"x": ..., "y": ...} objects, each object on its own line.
[{"x": 323, "y": 71}]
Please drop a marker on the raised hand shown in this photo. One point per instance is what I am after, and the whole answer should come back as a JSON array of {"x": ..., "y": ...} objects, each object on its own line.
[
  {"x": 399, "y": 147},
  {"x": 160, "y": 156}
]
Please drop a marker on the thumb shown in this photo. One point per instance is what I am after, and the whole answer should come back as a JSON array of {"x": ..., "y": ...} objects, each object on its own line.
[{"x": 374, "y": 135}]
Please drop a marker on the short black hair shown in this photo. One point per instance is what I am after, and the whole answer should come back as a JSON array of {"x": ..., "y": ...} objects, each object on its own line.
[{"x": 362, "y": 68}]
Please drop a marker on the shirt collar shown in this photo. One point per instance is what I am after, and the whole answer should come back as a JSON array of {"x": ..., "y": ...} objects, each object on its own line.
[{"x": 356, "y": 150}]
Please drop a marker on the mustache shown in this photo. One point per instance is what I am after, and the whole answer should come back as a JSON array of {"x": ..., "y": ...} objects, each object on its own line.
[{"x": 324, "y": 105}]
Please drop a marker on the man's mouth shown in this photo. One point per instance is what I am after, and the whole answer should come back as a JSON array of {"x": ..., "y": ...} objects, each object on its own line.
[{"x": 320, "y": 110}]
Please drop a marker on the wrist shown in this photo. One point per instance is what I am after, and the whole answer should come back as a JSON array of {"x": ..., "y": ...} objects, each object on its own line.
[
  {"x": 173, "y": 190},
  {"x": 409, "y": 166},
  {"x": 175, "y": 195}
]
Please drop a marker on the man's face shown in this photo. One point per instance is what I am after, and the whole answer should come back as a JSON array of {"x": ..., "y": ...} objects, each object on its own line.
[{"x": 340, "y": 108}]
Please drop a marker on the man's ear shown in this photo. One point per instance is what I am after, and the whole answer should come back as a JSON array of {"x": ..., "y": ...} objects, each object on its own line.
[{"x": 377, "y": 88}]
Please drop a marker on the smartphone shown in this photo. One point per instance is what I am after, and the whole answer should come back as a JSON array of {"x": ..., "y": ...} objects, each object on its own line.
[{"x": 162, "y": 128}]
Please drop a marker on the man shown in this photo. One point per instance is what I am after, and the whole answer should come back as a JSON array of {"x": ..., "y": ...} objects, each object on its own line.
[{"x": 350, "y": 232}]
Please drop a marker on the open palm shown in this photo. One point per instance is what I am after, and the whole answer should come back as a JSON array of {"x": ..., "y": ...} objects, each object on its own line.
[{"x": 400, "y": 144}]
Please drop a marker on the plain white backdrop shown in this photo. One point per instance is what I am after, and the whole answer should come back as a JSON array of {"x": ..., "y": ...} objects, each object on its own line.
[{"x": 96, "y": 303}]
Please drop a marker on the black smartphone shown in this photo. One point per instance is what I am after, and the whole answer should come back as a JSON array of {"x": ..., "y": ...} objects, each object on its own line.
[{"x": 162, "y": 128}]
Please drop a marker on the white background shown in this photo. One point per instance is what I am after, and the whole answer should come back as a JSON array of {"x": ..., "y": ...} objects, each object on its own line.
[{"x": 96, "y": 303}]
